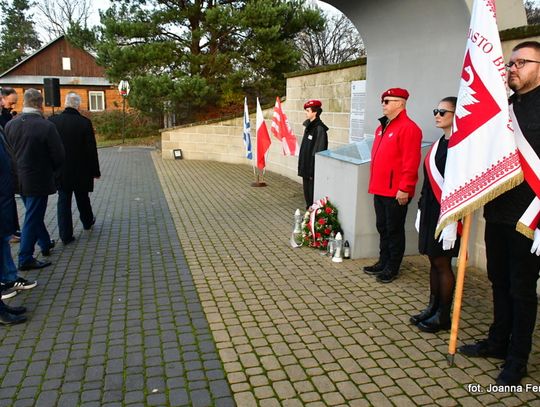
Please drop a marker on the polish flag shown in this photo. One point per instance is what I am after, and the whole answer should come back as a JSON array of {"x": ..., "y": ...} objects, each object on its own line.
[
  {"x": 482, "y": 160},
  {"x": 282, "y": 130},
  {"x": 263, "y": 138}
]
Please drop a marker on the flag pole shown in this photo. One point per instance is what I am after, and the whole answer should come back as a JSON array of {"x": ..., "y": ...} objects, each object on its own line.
[{"x": 462, "y": 264}]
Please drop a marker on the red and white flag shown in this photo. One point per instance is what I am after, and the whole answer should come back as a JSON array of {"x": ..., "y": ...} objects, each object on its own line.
[
  {"x": 282, "y": 130},
  {"x": 263, "y": 138},
  {"x": 482, "y": 160}
]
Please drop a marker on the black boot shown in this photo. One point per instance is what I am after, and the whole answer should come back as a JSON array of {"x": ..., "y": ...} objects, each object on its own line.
[
  {"x": 426, "y": 313},
  {"x": 440, "y": 321}
]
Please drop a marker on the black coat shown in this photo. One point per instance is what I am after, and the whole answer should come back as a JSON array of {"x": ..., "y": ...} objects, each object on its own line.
[
  {"x": 430, "y": 208},
  {"x": 7, "y": 198},
  {"x": 315, "y": 139},
  {"x": 5, "y": 117},
  {"x": 507, "y": 208},
  {"x": 82, "y": 164},
  {"x": 39, "y": 153}
]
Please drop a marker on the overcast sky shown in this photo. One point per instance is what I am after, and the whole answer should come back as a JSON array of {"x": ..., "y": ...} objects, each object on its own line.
[{"x": 97, "y": 5}]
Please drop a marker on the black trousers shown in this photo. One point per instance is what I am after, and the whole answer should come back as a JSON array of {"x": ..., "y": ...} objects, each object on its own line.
[
  {"x": 65, "y": 221},
  {"x": 308, "y": 184},
  {"x": 390, "y": 219},
  {"x": 513, "y": 272}
]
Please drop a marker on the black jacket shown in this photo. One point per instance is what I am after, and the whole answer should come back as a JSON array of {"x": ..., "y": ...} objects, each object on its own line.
[
  {"x": 508, "y": 207},
  {"x": 81, "y": 165},
  {"x": 7, "y": 199},
  {"x": 430, "y": 209},
  {"x": 38, "y": 151},
  {"x": 315, "y": 139},
  {"x": 5, "y": 117}
]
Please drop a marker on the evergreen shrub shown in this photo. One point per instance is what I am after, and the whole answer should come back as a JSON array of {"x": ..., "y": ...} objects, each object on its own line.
[{"x": 108, "y": 125}]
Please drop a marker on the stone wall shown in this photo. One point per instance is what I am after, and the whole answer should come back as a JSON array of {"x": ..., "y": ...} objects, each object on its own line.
[{"x": 222, "y": 140}]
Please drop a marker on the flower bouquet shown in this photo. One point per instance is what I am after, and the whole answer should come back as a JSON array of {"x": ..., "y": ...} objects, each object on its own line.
[{"x": 320, "y": 220}]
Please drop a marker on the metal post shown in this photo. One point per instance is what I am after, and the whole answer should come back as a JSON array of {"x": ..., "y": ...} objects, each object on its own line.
[{"x": 123, "y": 119}]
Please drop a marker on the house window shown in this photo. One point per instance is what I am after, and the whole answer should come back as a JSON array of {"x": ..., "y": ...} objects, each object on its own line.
[
  {"x": 66, "y": 64},
  {"x": 96, "y": 101}
]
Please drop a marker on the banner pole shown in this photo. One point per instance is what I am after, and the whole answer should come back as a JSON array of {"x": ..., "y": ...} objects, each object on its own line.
[{"x": 458, "y": 296}]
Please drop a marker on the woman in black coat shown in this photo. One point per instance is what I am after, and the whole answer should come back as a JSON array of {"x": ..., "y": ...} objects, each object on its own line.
[
  {"x": 436, "y": 316},
  {"x": 315, "y": 139}
]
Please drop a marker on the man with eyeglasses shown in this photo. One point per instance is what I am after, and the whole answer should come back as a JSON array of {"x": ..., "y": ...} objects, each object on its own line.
[
  {"x": 395, "y": 157},
  {"x": 512, "y": 264}
]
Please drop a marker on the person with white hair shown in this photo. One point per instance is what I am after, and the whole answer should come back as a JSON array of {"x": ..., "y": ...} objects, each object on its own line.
[{"x": 80, "y": 168}]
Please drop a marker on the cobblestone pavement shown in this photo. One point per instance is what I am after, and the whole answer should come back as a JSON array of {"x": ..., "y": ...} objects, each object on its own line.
[
  {"x": 187, "y": 293},
  {"x": 116, "y": 320},
  {"x": 294, "y": 329}
]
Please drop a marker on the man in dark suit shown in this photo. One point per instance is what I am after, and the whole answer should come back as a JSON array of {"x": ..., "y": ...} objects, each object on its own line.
[
  {"x": 39, "y": 154},
  {"x": 79, "y": 169}
]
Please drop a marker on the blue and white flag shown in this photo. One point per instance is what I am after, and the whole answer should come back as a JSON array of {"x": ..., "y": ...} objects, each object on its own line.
[{"x": 247, "y": 132}]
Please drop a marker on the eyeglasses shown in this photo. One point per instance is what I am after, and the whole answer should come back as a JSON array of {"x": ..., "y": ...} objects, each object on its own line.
[
  {"x": 442, "y": 112},
  {"x": 519, "y": 63},
  {"x": 386, "y": 101}
]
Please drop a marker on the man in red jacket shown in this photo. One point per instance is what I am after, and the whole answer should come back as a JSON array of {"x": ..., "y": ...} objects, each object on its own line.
[{"x": 395, "y": 157}]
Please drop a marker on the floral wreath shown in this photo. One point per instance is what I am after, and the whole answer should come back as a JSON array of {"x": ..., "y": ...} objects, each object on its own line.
[{"x": 320, "y": 220}]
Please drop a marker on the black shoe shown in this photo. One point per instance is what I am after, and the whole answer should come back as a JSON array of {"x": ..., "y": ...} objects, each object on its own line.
[
  {"x": 426, "y": 313},
  {"x": 68, "y": 241},
  {"x": 387, "y": 276},
  {"x": 7, "y": 318},
  {"x": 34, "y": 265},
  {"x": 88, "y": 227},
  {"x": 440, "y": 321},
  {"x": 512, "y": 372},
  {"x": 15, "y": 310},
  {"x": 374, "y": 269},
  {"x": 482, "y": 349},
  {"x": 22, "y": 284},
  {"x": 7, "y": 293},
  {"x": 47, "y": 252}
]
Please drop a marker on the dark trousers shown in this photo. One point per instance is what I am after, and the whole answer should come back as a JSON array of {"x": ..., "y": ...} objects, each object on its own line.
[
  {"x": 513, "y": 272},
  {"x": 308, "y": 184},
  {"x": 33, "y": 229},
  {"x": 390, "y": 219},
  {"x": 65, "y": 220}
]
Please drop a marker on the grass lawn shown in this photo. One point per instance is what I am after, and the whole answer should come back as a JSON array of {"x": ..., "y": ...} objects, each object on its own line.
[{"x": 142, "y": 141}]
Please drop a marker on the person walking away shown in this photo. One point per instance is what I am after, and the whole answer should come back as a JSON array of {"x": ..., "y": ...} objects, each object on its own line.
[
  {"x": 39, "y": 154},
  {"x": 80, "y": 167}
]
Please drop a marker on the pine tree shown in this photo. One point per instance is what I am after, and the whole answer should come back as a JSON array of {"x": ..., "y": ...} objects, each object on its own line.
[
  {"x": 198, "y": 56},
  {"x": 18, "y": 38}
]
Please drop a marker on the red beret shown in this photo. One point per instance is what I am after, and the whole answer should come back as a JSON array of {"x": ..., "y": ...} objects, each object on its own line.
[
  {"x": 312, "y": 103},
  {"x": 396, "y": 92}
]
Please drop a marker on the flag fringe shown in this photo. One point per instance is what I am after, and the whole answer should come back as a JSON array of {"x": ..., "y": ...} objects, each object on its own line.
[
  {"x": 525, "y": 230},
  {"x": 501, "y": 189}
]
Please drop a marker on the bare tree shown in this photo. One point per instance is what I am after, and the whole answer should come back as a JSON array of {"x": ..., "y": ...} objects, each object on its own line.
[
  {"x": 338, "y": 42},
  {"x": 61, "y": 15},
  {"x": 533, "y": 11}
]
